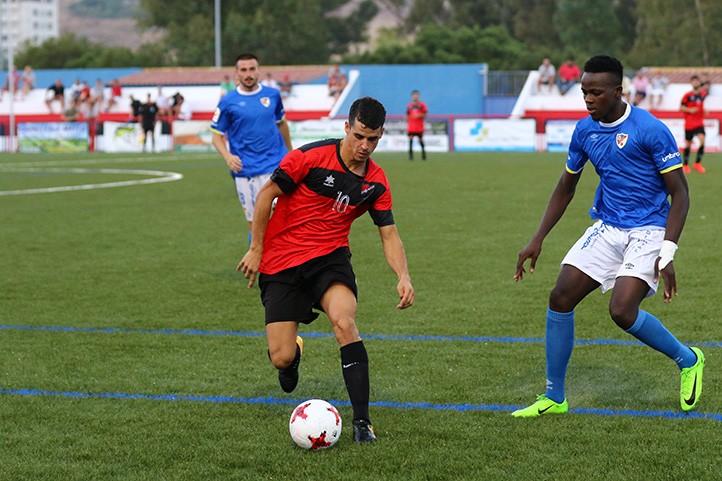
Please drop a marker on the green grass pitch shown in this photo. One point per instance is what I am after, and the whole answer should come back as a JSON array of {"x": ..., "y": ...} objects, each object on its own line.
[{"x": 127, "y": 347}]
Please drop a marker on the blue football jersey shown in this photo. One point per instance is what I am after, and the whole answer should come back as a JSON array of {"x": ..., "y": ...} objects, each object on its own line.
[
  {"x": 629, "y": 155},
  {"x": 249, "y": 122}
]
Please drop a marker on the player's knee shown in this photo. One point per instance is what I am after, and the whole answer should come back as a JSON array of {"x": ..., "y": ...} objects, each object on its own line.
[
  {"x": 282, "y": 358},
  {"x": 623, "y": 316},
  {"x": 344, "y": 328},
  {"x": 560, "y": 302}
]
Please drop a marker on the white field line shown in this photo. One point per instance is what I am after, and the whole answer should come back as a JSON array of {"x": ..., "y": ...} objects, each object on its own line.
[{"x": 157, "y": 176}]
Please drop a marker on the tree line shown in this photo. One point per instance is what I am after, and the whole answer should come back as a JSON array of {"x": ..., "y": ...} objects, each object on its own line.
[{"x": 505, "y": 34}]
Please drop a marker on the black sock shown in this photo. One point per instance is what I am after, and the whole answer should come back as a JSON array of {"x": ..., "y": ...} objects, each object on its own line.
[
  {"x": 685, "y": 155},
  {"x": 423, "y": 151},
  {"x": 700, "y": 153},
  {"x": 411, "y": 149},
  {"x": 355, "y": 368}
]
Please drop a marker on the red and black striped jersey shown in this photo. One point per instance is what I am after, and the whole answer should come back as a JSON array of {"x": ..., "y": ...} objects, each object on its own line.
[{"x": 321, "y": 199}]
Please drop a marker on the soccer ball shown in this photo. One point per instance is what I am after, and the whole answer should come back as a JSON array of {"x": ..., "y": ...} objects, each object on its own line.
[{"x": 315, "y": 424}]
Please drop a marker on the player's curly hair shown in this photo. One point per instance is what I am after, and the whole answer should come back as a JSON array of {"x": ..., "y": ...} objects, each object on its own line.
[
  {"x": 369, "y": 112},
  {"x": 605, "y": 64}
]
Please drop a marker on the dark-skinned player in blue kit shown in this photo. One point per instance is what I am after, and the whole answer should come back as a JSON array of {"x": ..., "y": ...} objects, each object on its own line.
[{"x": 633, "y": 240}]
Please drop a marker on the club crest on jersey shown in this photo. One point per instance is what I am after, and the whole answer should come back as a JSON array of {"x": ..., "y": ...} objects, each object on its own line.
[
  {"x": 265, "y": 101},
  {"x": 622, "y": 140}
]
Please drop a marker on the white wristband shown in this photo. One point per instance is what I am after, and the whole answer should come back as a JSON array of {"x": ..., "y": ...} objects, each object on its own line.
[{"x": 666, "y": 253}]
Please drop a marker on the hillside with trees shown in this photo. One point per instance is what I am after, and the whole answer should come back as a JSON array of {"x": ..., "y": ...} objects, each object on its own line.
[{"x": 506, "y": 34}]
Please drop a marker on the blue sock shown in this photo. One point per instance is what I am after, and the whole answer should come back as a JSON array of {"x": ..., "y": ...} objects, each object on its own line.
[
  {"x": 559, "y": 345},
  {"x": 650, "y": 331}
]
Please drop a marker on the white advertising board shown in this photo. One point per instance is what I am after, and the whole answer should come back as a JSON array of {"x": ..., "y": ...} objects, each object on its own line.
[
  {"x": 495, "y": 135},
  {"x": 128, "y": 137}
]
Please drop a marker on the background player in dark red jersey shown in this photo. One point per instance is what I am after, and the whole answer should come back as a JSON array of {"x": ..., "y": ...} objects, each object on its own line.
[
  {"x": 693, "y": 108},
  {"x": 302, "y": 254},
  {"x": 415, "y": 114}
]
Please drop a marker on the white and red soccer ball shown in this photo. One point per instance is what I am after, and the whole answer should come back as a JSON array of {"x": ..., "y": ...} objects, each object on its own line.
[{"x": 315, "y": 424}]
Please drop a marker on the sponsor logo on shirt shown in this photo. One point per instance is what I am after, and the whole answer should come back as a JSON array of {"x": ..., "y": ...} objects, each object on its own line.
[
  {"x": 670, "y": 156},
  {"x": 329, "y": 181},
  {"x": 216, "y": 115}
]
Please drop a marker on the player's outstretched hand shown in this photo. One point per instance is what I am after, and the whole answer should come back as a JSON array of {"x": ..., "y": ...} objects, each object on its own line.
[
  {"x": 670, "y": 280},
  {"x": 406, "y": 293},
  {"x": 234, "y": 163},
  {"x": 532, "y": 251},
  {"x": 249, "y": 266}
]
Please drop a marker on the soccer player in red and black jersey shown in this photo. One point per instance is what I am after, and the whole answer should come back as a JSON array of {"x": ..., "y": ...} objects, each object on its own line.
[
  {"x": 693, "y": 108},
  {"x": 301, "y": 253},
  {"x": 415, "y": 114}
]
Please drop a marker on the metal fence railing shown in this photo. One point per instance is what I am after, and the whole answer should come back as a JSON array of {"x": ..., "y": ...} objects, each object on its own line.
[{"x": 505, "y": 83}]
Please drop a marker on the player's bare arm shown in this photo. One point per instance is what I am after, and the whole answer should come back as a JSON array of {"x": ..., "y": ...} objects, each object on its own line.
[
  {"x": 396, "y": 258},
  {"x": 679, "y": 192},
  {"x": 285, "y": 133},
  {"x": 560, "y": 199},
  {"x": 232, "y": 161},
  {"x": 251, "y": 262}
]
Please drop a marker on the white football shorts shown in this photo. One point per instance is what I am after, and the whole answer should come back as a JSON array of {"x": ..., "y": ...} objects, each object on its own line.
[
  {"x": 247, "y": 189},
  {"x": 605, "y": 253}
]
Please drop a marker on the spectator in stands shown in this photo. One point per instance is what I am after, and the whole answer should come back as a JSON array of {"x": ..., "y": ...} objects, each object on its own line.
[
  {"x": 83, "y": 102},
  {"x": 569, "y": 75},
  {"x": 55, "y": 93},
  {"x": 693, "y": 108},
  {"x": 227, "y": 85},
  {"x": 116, "y": 92},
  {"x": 72, "y": 114},
  {"x": 148, "y": 115},
  {"x": 176, "y": 101},
  {"x": 74, "y": 91},
  {"x": 547, "y": 74},
  {"x": 415, "y": 115},
  {"x": 28, "y": 81},
  {"x": 181, "y": 109},
  {"x": 337, "y": 81},
  {"x": 658, "y": 86},
  {"x": 97, "y": 98},
  {"x": 269, "y": 81},
  {"x": 640, "y": 83},
  {"x": 15, "y": 75},
  {"x": 286, "y": 86},
  {"x": 162, "y": 102},
  {"x": 257, "y": 134}
]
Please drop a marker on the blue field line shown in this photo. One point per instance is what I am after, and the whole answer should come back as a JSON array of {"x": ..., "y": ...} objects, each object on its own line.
[
  {"x": 379, "y": 404},
  {"x": 381, "y": 337}
]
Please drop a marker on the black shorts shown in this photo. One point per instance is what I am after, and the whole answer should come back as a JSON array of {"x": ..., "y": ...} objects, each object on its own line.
[
  {"x": 411, "y": 135},
  {"x": 293, "y": 293},
  {"x": 689, "y": 134}
]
